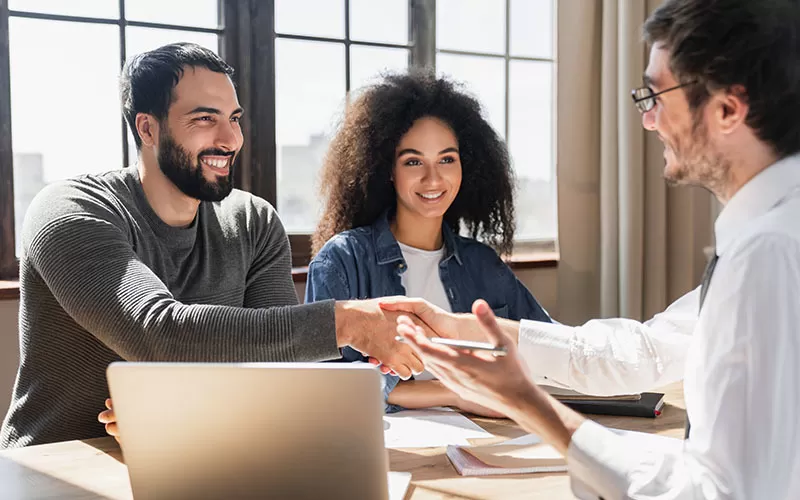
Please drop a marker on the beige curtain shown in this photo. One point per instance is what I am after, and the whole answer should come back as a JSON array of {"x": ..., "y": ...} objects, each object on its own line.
[{"x": 629, "y": 245}]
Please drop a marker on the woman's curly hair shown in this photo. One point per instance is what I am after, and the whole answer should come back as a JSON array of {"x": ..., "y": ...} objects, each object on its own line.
[{"x": 356, "y": 183}]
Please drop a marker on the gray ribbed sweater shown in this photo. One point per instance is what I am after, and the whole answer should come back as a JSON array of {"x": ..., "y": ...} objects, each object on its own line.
[{"x": 103, "y": 279}]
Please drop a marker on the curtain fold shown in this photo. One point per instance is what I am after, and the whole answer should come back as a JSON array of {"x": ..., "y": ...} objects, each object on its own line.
[{"x": 629, "y": 245}]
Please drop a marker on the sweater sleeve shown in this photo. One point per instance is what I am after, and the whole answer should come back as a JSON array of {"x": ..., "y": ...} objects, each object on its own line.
[
  {"x": 83, "y": 255},
  {"x": 327, "y": 279}
]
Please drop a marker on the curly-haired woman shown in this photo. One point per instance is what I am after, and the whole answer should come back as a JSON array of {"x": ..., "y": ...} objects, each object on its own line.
[{"x": 412, "y": 163}]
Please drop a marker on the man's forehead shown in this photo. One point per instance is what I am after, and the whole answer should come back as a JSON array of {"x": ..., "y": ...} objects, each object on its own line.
[
  {"x": 658, "y": 73},
  {"x": 201, "y": 86}
]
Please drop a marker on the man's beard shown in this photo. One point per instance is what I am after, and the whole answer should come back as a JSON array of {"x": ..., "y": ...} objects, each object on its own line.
[
  {"x": 187, "y": 175},
  {"x": 699, "y": 162}
]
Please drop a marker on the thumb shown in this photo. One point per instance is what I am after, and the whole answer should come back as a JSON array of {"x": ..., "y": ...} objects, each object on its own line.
[{"x": 488, "y": 323}]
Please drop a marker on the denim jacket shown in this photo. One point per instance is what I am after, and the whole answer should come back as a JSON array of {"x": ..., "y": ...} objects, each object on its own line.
[{"x": 366, "y": 263}]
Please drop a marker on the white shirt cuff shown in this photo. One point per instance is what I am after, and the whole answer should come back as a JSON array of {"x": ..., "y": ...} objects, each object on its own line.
[
  {"x": 546, "y": 350},
  {"x": 598, "y": 462},
  {"x": 612, "y": 463}
]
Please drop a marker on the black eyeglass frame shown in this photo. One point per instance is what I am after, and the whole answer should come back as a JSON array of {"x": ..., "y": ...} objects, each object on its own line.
[{"x": 648, "y": 102}]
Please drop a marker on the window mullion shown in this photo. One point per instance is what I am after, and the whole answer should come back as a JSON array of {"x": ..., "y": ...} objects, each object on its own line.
[
  {"x": 422, "y": 33},
  {"x": 8, "y": 261},
  {"x": 122, "y": 57}
]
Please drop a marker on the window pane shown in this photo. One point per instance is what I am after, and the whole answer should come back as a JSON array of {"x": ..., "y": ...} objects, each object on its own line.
[
  {"x": 379, "y": 21},
  {"x": 309, "y": 95},
  {"x": 323, "y": 18},
  {"x": 64, "y": 126},
  {"x": 368, "y": 63},
  {"x": 138, "y": 40},
  {"x": 84, "y": 8},
  {"x": 532, "y": 28},
  {"x": 484, "y": 77},
  {"x": 531, "y": 145},
  {"x": 197, "y": 13},
  {"x": 471, "y": 25}
]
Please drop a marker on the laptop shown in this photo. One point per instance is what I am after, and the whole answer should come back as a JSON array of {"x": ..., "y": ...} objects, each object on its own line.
[{"x": 253, "y": 430}]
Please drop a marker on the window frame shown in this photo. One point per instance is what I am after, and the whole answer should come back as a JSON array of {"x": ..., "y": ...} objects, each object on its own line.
[
  {"x": 247, "y": 42},
  {"x": 421, "y": 47},
  {"x": 524, "y": 248},
  {"x": 9, "y": 264}
]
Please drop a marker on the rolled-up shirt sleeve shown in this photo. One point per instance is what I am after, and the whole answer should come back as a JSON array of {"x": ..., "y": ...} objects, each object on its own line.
[{"x": 612, "y": 356}]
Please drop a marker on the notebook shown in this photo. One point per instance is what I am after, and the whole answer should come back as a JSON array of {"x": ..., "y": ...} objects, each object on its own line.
[
  {"x": 523, "y": 455},
  {"x": 570, "y": 395},
  {"x": 646, "y": 404}
]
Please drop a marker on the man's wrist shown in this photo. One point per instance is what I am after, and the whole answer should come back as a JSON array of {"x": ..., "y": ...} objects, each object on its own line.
[
  {"x": 523, "y": 400},
  {"x": 342, "y": 318},
  {"x": 537, "y": 412}
]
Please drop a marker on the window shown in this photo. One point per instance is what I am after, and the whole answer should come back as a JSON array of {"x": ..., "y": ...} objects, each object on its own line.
[
  {"x": 503, "y": 51},
  {"x": 293, "y": 74},
  {"x": 64, "y": 97},
  {"x": 318, "y": 60}
]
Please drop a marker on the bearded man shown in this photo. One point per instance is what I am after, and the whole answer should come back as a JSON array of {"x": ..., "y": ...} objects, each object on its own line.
[{"x": 165, "y": 261}]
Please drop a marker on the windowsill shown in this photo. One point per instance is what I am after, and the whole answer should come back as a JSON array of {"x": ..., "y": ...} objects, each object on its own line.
[
  {"x": 9, "y": 290},
  {"x": 533, "y": 260},
  {"x": 536, "y": 260}
]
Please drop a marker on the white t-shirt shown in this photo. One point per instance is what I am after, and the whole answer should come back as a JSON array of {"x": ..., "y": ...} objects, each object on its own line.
[{"x": 422, "y": 279}]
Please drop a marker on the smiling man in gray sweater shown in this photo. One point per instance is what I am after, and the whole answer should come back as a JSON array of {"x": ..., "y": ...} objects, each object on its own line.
[{"x": 164, "y": 261}]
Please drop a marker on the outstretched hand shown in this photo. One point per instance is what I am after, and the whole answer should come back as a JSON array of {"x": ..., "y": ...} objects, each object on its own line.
[{"x": 487, "y": 380}]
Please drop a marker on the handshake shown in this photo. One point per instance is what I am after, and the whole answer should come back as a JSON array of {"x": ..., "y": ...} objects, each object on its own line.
[{"x": 371, "y": 327}]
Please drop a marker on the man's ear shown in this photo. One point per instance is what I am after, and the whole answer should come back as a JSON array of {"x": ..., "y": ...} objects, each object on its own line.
[
  {"x": 732, "y": 109},
  {"x": 147, "y": 128}
]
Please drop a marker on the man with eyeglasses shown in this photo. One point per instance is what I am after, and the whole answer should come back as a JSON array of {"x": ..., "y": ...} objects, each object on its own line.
[{"x": 722, "y": 91}]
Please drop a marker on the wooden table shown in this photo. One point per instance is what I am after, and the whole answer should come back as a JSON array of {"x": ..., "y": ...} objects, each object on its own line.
[{"x": 94, "y": 468}]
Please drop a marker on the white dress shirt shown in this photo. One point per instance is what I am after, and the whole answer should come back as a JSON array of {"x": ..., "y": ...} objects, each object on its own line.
[
  {"x": 742, "y": 370},
  {"x": 612, "y": 356}
]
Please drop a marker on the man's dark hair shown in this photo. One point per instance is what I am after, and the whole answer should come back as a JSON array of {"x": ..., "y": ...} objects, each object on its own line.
[
  {"x": 721, "y": 44},
  {"x": 357, "y": 172},
  {"x": 148, "y": 79}
]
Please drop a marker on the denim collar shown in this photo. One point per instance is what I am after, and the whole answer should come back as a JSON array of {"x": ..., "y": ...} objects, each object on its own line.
[{"x": 387, "y": 250}]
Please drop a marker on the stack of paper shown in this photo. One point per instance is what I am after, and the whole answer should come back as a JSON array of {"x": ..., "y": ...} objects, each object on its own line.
[
  {"x": 523, "y": 455},
  {"x": 429, "y": 428}
]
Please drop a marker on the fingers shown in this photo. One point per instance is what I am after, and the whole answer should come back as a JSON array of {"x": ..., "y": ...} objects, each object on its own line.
[
  {"x": 109, "y": 404},
  {"x": 405, "y": 320},
  {"x": 489, "y": 324},
  {"x": 403, "y": 372},
  {"x": 415, "y": 363},
  {"x": 402, "y": 304},
  {"x": 415, "y": 337},
  {"x": 428, "y": 331},
  {"x": 404, "y": 363},
  {"x": 381, "y": 367},
  {"x": 112, "y": 430},
  {"x": 108, "y": 418},
  {"x": 425, "y": 311}
]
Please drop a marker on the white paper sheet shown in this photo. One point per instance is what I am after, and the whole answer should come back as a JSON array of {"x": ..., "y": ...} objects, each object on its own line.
[
  {"x": 429, "y": 428},
  {"x": 398, "y": 484},
  {"x": 525, "y": 440}
]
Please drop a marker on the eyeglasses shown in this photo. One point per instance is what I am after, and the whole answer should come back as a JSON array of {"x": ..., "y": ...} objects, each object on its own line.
[{"x": 645, "y": 99}]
